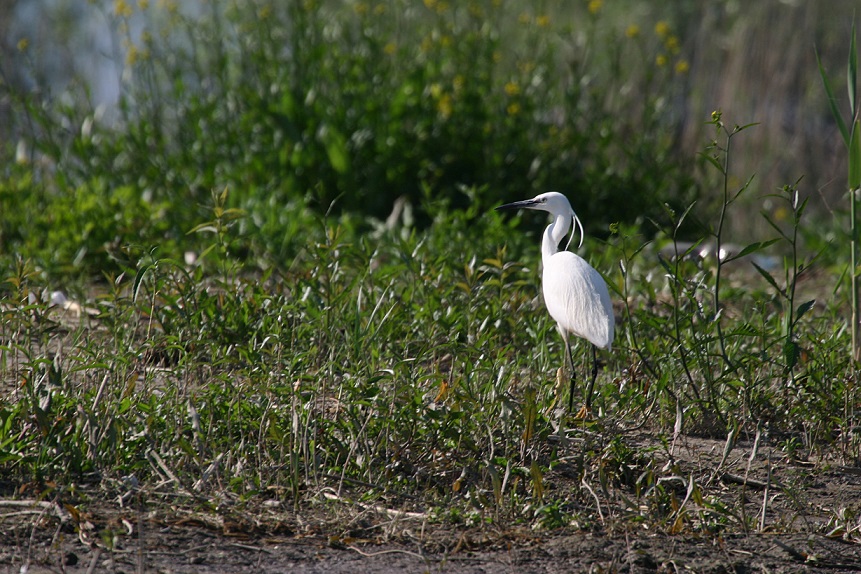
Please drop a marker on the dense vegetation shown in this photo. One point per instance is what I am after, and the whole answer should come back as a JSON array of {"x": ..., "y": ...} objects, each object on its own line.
[
  {"x": 256, "y": 324},
  {"x": 309, "y": 106}
]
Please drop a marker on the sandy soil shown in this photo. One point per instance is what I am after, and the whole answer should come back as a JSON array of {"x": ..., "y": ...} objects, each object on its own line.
[
  {"x": 196, "y": 550},
  {"x": 803, "y": 532}
]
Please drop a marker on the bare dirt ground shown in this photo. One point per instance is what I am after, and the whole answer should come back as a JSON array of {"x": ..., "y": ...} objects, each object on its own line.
[
  {"x": 811, "y": 525},
  {"x": 196, "y": 550}
]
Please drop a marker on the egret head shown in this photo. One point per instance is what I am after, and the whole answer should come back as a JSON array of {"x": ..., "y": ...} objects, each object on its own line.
[{"x": 554, "y": 203}]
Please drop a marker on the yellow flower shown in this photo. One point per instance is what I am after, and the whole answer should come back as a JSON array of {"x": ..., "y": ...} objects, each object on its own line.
[
  {"x": 122, "y": 9},
  {"x": 132, "y": 55},
  {"x": 662, "y": 29},
  {"x": 430, "y": 4},
  {"x": 781, "y": 214},
  {"x": 672, "y": 44},
  {"x": 524, "y": 18},
  {"x": 632, "y": 31},
  {"x": 390, "y": 48},
  {"x": 443, "y": 100},
  {"x": 661, "y": 60},
  {"x": 682, "y": 67},
  {"x": 595, "y": 6},
  {"x": 170, "y": 5},
  {"x": 458, "y": 83},
  {"x": 543, "y": 21},
  {"x": 143, "y": 4},
  {"x": 361, "y": 8},
  {"x": 22, "y": 44},
  {"x": 444, "y": 106},
  {"x": 512, "y": 88},
  {"x": 379, "y": 9},
  {"x": 513, "y": 109}
]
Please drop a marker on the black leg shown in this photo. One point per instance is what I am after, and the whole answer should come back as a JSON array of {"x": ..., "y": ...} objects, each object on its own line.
[
  {"x": 594, "y": 376},
  {"x": 573, "y": 377}
]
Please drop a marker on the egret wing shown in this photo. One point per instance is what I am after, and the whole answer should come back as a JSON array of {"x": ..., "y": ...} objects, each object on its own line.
[{"x": 577, "y": 298}]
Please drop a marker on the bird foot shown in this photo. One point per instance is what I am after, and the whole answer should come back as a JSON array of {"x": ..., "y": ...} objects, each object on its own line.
[{"x": 585, "y": 413}]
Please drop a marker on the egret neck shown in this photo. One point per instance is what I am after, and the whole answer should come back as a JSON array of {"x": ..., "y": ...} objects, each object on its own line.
[{"x": 554, "y": 234}]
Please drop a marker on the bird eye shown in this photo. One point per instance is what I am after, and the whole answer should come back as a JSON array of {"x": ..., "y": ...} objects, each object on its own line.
[{"x": 543, "y": 200}]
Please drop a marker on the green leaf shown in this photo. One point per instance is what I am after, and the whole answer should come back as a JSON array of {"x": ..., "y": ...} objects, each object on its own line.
[
  {"x": 752, "y": 248},
  {"x": 530, "y": 414},
  {"x": 206, "y": 251},
  {"x": 745, "y": 330},
  {"x": 852, "y": 75},
  {"x": 336, "y": 148},
  {"x": 832, "y": 101},
  {"x": 791, "y": 352},
  {"x": 139, "y": 276},
  {"x": 767, "y": 276},
  {"x": 774, "y": 226},
  {"x": 804, "y": 308},
  {"x": 745, "y": 126},
  {"x": 203, "y": 227},
  {"x": 694, "y": 248},
  {"x": 537, "y": 481},
  {"x": 712, "y": 160}
]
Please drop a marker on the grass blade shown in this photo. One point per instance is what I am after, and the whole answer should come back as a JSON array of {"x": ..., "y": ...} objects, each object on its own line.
[
  {"x": 852, "y": 74},
  {"x": 752, "y": 248},
  {"x": 767, "y": 276},
  {"x": 138, "y": 280}
]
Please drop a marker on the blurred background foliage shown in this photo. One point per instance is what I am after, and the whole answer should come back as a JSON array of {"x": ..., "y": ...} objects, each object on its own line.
[{"x": 119, "y": 119}]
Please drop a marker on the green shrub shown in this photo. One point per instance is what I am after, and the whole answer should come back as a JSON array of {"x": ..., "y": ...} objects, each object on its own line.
[{"x": 313, "y": 105}]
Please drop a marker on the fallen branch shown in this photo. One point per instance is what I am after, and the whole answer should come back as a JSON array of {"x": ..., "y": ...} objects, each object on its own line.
[
  {"x": 381, "y": 509},
  {"x": 372, "y": 554},
  {"x": 750, "y": 482},
  {"x": 35, "y": 507}
]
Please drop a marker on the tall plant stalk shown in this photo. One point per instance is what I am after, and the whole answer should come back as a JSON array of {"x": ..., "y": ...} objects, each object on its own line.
[
  {"x": 852, "y": 139},
  {"x": 853, "y": 143}
]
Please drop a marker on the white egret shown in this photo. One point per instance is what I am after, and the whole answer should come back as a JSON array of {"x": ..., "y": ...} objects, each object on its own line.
[{"x": 575, "y": 294}]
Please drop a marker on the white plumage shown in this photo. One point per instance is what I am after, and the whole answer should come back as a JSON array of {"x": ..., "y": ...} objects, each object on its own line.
[
  {"x": 577, "y": 298},
  {"x": 575, "y": 294}
]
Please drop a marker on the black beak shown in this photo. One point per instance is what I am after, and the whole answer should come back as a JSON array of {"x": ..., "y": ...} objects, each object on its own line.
[{"x": 525, "y": 204}]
